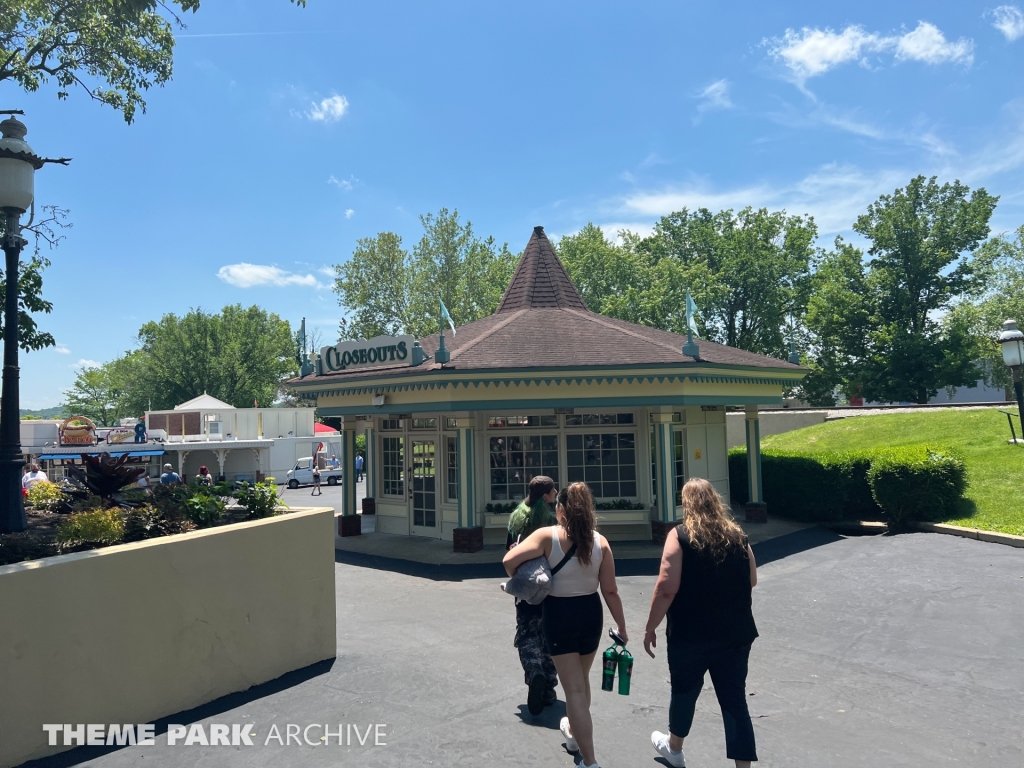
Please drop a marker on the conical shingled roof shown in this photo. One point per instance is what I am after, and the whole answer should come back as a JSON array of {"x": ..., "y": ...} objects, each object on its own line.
[{"x": 540, "y": 280}]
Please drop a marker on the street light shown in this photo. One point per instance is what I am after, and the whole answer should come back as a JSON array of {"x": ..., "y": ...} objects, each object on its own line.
[
  {"x": 1012, "y": 342},
  {"x": 18, "y": 164}
]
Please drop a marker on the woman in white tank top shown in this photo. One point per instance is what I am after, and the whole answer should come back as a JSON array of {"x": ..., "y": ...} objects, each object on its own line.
[{"x": 573, "y": 619}]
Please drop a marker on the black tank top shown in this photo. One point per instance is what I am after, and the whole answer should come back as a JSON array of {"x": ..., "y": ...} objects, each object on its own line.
[{"x": 713, "y": 602}]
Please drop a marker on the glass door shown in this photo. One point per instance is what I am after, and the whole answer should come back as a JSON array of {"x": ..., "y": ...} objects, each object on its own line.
[{"x": 423, "y": 489}]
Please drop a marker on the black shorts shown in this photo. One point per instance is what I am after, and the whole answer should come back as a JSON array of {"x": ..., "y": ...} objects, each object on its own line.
[{"x": 573, "y": 624}]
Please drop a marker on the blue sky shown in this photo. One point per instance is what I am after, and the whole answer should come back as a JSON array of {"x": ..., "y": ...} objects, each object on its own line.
[{"x": 288, "y": 133}]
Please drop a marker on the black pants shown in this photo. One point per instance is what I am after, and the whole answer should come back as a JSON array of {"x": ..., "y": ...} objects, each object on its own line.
[
  {"x": 687, "y": 664},
  {"x": 533, "y": 654}
]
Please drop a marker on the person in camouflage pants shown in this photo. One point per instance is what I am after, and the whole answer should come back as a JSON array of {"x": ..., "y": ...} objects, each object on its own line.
[{"x": 538, "y": 669}]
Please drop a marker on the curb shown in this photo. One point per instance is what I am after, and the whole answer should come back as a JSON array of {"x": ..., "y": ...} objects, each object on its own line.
[{"x": 974, "y": 533}]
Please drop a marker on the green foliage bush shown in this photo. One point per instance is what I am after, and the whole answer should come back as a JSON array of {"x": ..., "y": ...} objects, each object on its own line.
[
  {"x": 261, "y": 499},
  {"x": 103, "y": 526},
  {"x": 912, "y": 484},
  {"x": 202, "y": 507},
  {"x": 148, "y": 522},
  {"x": 46, "y": 496},
  {"x": 838, "y": 485}
]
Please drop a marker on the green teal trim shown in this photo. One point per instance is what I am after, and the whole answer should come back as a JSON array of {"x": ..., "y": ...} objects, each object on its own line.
[
  {"x": 563, "y": 402},
  {"x": 697, "y": 378}
]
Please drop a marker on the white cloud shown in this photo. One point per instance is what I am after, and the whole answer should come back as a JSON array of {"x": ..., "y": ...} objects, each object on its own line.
[
  {"x": 715, "y": 97},
  {"x": 1009, "y": 20},
  {"x": 84, "y": 363},
  {"x": 245, "y": 275},
  {"x": 810, "y": 52},
  {"x": 343, "y": 184},
  {"x": 329, "y": 110},
  {"x": 927, "y": 43},
  {"x": 62, "y": 350},
  {"x": 349, "y": 213}
]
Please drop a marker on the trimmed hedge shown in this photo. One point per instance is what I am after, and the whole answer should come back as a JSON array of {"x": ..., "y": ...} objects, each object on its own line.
[
  {"x": 909, "y": 485},
  {"x": 914, "y": 483}
]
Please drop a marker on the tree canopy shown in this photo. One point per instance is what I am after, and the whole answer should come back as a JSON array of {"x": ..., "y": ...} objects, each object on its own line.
[
  {"x": 387, "y": 291},
  {"x": 239, "y": 355},
  {"x": 113, "y": 49}
]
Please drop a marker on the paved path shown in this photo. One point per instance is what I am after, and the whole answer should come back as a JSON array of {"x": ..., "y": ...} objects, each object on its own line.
[{"x": 874, "y": 651}]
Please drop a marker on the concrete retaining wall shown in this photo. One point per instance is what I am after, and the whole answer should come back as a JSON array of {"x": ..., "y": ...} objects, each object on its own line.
[
  {"x": 772, "y": 423},
  {"x": 135, "y": 632}
]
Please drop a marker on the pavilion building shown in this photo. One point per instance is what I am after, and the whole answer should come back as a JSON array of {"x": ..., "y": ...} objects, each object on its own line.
[{"x": 457, "y": 425}]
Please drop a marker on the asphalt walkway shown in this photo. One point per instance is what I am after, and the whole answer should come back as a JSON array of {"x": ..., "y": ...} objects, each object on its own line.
[{"x": 874, "y": 651}]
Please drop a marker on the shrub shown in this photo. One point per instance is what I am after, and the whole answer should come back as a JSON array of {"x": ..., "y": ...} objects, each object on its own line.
[
  {"x": 103, "y": 526},
  {"x": 147, "y": 522},
  {"x": 46, "y": 496},
  {"x": 201, "y": 507},
  {"x": 912, "y": 484},
  {"x": 261, "y": 499}
]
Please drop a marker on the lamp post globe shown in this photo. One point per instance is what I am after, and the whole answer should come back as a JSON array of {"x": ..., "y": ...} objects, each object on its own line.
[
  {"x": 1012, "y": 342},
  {"x": 18, "y": 164}
]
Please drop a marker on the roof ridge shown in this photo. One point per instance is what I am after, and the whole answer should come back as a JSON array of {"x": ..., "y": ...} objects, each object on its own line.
[
  {"x": 488, "y": 333},
  {"x": 602, "y": 320}
]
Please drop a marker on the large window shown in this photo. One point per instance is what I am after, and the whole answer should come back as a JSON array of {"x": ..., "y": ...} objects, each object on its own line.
[
  {"x": 597, "y": 419},
  {"x": 505, "y": 422},
  {"x": 606, "y": 461},
  {"x": 452, "y": 467},
  {"x": 516, "y": 459},
  {"x": 394, "y": 466}
]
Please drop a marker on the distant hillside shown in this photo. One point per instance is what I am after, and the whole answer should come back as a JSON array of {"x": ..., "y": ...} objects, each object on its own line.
[{"x": 46, "y": 413}]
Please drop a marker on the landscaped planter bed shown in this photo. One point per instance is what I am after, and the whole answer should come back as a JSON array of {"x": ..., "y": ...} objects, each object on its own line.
[{"x": 134, "y": 632}]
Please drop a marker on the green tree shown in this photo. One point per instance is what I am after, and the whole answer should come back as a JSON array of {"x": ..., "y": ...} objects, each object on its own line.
[
  {"x": 385, "y": 290},
  {"x": 372, "y": 285},
  {"x": 30, "y": 279},
  {"x": 922, "y": 238},
  {"x": 238, "y": 355},
  {"x": 113, "y": 49},
  {"x": 837, "y": 323},
  {"x": 451, "y": 263},
  {"x": 1001, "y": 265},
  {"x": 611, "y": 278},
  {"x": 99, "y": 393},
  {"x": 748, "y": 272}
]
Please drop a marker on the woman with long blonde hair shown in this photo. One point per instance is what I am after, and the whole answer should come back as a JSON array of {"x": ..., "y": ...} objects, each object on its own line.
[
  {"x": 704, "y": 587},
  {"x": 573, "y": 618}
]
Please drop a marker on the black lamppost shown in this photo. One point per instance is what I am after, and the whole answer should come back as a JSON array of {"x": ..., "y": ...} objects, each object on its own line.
[
  {"x": 18, "y": 164},
  {"x": 1012, "y": 342}
]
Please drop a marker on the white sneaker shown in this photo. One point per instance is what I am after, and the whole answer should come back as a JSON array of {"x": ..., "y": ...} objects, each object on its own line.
[
  {"x": 660, "y": 742},
  {"x": 570, "y": 742}
]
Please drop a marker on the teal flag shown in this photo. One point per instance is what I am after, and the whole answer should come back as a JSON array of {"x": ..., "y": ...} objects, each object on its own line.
[
  {"x": 446, "y": 316},
  {"x": 691, "y": 314}
]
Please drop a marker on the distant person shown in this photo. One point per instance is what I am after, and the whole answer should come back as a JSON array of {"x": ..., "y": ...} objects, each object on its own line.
[
  {"x": 143, "y": 483},
  {"x": 573, "y": 619},
  {"x": 33, "y": 477},
  {"x": 204, "y": 477},
  {"x": 316, "y": 482},
  {"x": 359, "y": 468},
  {"x": 169, "y": 477},
  {"x": 707, "y": 574},
  {"x": 535, "y": 512}
]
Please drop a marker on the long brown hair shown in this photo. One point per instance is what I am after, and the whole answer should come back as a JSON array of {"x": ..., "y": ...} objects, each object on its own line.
[
  {"x": 578, "y": 513},
  {"x": 707, "y": 521}
]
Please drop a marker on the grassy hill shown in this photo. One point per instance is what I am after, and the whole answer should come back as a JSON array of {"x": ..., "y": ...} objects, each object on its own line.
[
  {"x": 56, "y": 412},
  {"x": 995, "y": 469}
]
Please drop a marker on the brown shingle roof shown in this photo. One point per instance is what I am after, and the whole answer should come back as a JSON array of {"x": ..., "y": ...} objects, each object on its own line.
[
  {"x": 543, "y": 323},
  {"x": 540, "y": 281}
]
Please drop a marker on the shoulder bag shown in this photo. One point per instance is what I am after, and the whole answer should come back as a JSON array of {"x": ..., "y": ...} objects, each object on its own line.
[{"x": 533, "y": 579}]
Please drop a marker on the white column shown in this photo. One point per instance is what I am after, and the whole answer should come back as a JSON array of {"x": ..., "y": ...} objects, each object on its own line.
[
  {"x": 753, "y": 430},
  {"x": 348, "y": 465},
  {"x": 664, "y": 463},
  {"x": 467, "y": 477}
]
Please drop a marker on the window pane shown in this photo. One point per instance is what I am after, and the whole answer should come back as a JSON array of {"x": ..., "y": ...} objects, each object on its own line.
[
  {"x": 626, "y": 440},
  {"x": 624, "y": 418},
  {"x": 549, "y": 421},
  {"x": 610, "y": 490},
  {"x": 574, "y": 420},
  {"x": 574, "y": 442},
  {"x": 575, "y": 474},
  {"x": 627, "y": 489}
]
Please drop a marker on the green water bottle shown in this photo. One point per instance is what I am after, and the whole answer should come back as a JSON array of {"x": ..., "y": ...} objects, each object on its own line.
[
  {"x": 611, "y": 661},
  {"x": 625, "y": 671}
]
